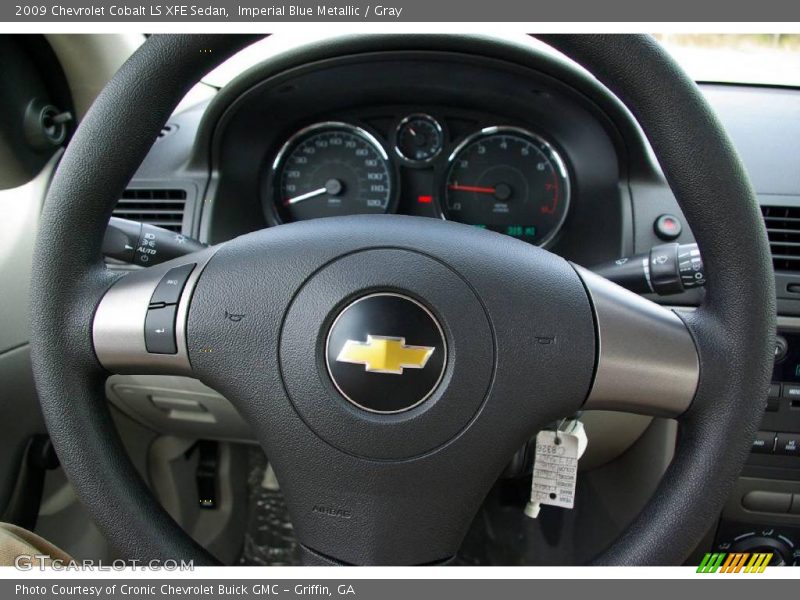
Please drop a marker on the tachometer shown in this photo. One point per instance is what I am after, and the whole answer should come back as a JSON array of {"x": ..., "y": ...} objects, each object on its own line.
[
  {"x": 509, "y": 180},
  {"x": 331, "y": 169}
]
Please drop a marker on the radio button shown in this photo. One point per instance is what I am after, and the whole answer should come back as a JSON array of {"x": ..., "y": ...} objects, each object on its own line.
[
  {"x": 791, "y": 391},
  {"x": 764, "y": 442},
  {"x": 781, "y": 348},
  {"x": 772, "y": 398},
  {"x": 787, "y": 444}
]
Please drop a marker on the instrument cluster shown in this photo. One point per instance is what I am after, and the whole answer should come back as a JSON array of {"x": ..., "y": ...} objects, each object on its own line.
[{"x": 501, "y": 177}]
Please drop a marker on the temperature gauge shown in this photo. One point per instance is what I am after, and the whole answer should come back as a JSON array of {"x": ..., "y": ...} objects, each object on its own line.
[{"x": 419, "y": 138}]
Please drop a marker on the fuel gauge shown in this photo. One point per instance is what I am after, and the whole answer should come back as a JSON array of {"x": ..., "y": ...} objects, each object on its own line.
[{"x": 419, "y": 138}]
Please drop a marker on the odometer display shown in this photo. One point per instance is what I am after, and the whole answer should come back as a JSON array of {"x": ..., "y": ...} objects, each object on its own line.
[
  {"x": 331, "y": 169},
  {"x": 508, "y": 180}
]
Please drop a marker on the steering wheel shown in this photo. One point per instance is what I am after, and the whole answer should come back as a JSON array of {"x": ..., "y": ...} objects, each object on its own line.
[{"x": 391, "y": 365}]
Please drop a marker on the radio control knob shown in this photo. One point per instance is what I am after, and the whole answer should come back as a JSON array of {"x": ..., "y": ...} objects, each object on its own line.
[{"x": 783, "y": 552}]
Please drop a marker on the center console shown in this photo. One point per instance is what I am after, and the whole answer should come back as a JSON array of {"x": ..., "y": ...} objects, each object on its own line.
[{"x": 763, "y": 512}]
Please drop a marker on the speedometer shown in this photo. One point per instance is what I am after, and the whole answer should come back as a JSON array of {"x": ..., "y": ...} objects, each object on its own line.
[
  {"x": 508, "y": 180},
  {"x": 331, "y": 169}
]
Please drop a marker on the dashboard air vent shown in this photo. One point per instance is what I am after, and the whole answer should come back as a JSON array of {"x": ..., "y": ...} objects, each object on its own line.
[
  {"x": 163, "y": 208},
  {"x": 783, "y": 230}
]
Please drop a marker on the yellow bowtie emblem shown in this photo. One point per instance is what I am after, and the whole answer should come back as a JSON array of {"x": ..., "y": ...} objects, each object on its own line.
[{"x": 384, "y": 354}]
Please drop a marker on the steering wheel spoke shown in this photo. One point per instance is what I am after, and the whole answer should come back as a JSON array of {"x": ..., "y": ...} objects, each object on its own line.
[
  {"x": 647, "y": 362},
  {"x": 139, "y": 326}
]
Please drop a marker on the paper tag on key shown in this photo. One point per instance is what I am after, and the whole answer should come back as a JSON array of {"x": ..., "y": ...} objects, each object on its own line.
[{"x": 555, "y": 469}]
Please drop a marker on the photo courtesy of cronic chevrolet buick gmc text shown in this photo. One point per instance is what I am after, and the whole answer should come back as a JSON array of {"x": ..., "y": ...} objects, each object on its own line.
[{"x": 400, "y": 299}]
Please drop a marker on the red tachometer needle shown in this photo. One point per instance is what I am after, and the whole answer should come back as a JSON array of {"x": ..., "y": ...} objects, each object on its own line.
[{"x": 471, "y": 188}]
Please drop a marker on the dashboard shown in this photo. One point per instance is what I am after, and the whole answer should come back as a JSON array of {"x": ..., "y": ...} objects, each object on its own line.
[{"x": 433, "y": 134}]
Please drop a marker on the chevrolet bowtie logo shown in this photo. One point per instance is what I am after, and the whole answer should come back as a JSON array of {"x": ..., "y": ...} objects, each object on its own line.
[{"x": 384, "y": 354}]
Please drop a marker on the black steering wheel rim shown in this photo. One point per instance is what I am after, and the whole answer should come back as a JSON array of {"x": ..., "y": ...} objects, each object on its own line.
[{"x": 733, "y": 339}]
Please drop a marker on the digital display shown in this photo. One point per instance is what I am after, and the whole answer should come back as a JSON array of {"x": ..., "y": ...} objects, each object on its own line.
[{"x": 789, "y": 368}]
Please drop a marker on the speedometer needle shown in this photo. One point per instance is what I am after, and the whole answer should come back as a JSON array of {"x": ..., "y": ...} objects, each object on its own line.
[
  {"x": 332, "y": 187},
  {"x": 306, "y": 196},
  {"x": 471, "y": 188}
]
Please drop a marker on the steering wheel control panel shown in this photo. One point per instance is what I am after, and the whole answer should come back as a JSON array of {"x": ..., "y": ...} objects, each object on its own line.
[{"x": 159, "y": 324}]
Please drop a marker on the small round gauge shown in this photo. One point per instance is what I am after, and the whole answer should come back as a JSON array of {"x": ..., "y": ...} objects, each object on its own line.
[
  {"x": 331, "y": 169},
  {"x": 419, "y": 138},
  {"x": 508, "y": 180}
]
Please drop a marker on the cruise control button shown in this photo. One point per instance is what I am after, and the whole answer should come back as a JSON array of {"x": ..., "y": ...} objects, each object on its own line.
[
  {"x": 764, "y": 442},
  {"x": 159, "y": 330},
  {"x": 168, "y": 290},
  {"x": 787, "y": 444}
]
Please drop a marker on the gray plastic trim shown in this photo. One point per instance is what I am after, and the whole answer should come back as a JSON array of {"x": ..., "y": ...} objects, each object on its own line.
[
  {"x": 792, "y": 323},
  {"x": 647, "y": 362},
  {"x": 735, "y": 510},
  {"x": 178, "y": 406},
  {"x": 118, "y": 329},
  {"x": 20, "y": 208}
]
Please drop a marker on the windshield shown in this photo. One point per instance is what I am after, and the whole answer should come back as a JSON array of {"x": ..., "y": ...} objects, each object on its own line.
[{"x": 766, "y": 59}]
